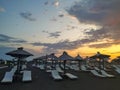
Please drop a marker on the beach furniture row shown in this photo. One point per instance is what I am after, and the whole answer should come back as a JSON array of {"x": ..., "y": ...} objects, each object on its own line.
[
  {"x": 56, "y": 76},
  {"x": 9, "y": 76}
]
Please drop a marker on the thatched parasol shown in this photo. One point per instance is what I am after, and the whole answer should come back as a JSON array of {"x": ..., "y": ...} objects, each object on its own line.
[
  {"x": 19, "y": 54},
  {"x": 64, "y": 57},
  {"x": 79, "y": 59},
  {"x": 53, "y": 58},
  {"x": 101, "y": 57}
]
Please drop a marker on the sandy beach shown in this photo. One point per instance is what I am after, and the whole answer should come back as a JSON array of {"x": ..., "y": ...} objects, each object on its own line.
[{"x": 42, "y": 80}]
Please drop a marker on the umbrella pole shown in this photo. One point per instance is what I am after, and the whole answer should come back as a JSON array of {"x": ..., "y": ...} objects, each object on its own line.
[
  {"x": 18, "y": 65},
  {"x": 103, "y": 64},
  {"x": 79, "y": 64},
  {"x": 100, "y": 64},
  {"x": 64, "y": 66}
]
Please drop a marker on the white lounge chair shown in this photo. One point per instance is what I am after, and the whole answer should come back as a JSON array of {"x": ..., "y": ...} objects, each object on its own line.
[
  {"x": 55, "y": 75},
  {"x": 27, "y": 76},
  {"x": 33, "y": 65},
  {"x": 71, "y": 76},
  {"x": 66, "y": 67},
  {"x": 117, "y": 69},
  {"x": 8, "y": 77},
  {"x": 24, "y": 67},
  {"x": 3, "y": 67},
  {"x": 42, "y": 67},
  {"x": 13, "y": 70},
  {"x": 48, "y": 71},
  {"x": 106, "y": 74},
  {"x": 96, "y": 68},
  {"x": 74, "y": 67},
  {"x": 83, "y": 68},
  {"x": 94, "y": 72},
  {"x": 59, "y": 69}
]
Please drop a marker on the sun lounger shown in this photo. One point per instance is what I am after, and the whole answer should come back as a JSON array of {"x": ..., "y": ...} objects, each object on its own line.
[
  {"x": 48, "y": 71},
  {"x": 24, "y": 67},
  {"x": 83, "y": 68},
  {"x": 96, "y": 68},
  {"x": 94, "y": 72},
  {"x": 117, "y": 69},
  {"x": 118, "y": 66},
  {"x": 42, "y": 67},
  {"x": 33, "y": 65},
  {"x": 55, "y": 75},
  {"x": 26, "y": 76},
  {"x": 3, "y": 67},
  {"x": 13, "y": 70},
  {"x": 59, "y": 69},
  {"x": 8, "y": 77},
  {"x": 106, "y": 74},
  {"x": 66, "y": 67},
  {"x": 71, "y": 76},
  {"x": 74, "y": 67}
]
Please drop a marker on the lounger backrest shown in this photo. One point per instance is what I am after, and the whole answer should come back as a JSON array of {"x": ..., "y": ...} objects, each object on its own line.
[
  {"x": 26, "y": 76},
  {"x": 106, "y": 74},
  {"x": 56, "y": 75},
  {"x": 71, "y": 76},
  {"x": 8, "y": 77}
]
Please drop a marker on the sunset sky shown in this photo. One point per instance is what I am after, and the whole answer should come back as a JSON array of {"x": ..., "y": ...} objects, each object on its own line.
[{"x": 52, "y": 26}]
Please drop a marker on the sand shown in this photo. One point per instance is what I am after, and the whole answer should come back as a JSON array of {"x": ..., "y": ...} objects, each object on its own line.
[{"x": 42, "y": 80}]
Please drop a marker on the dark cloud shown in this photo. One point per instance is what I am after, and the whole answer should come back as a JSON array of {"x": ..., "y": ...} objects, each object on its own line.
[
  {"x": 58, "y": 45},
  {"x": 94, "y": 11},
  {"x": 45, "y": 31},
  {"x": 55, "y": 34},
  {"x": 61, "y": 15},
  {"x": 46, "y": 3},
  {"x": 7, "y": 39},
  {"x": 64, "y": 45},
  {"x": 70, "y": 45},
  {"x": 115, "y": 53},
  {"x": 102, "y": 45},
  {"x": 53, "y": 19},
  {"x": 2, "y": 9},
  {"x": 70, "y": 27},
  {"x": 27, "y": 15},
  {"x": 104, "y": 13},
  {"x": 4, "y": 50}
]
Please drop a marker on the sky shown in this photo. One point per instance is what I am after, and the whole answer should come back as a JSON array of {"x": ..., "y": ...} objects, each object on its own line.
[{"x": 52, "y": 26}]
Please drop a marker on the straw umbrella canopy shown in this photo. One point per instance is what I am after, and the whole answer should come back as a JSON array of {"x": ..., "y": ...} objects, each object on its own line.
[
  {"x": 101, "y": 57},
  {"x": 53, "y": 58},
  {"x": 38, "y": 59},
  {"x": 19, "y": 54},
  {"x": 116, "y": 60},
  {"x": 79, "y": 59},
  {"x": 64, "y": 57}
]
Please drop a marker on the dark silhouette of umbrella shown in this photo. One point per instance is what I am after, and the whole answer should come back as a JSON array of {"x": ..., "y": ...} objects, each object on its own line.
[
  {"x": 53, "y": 58},
  {"x": 64, "y": 57},
  {"x": 79, "y": 59},
  {"x": 38, "y": 59},
  {"x": 116, "y": 60},
  {"x": 19, "y": 54},
  {"x": 101, "y": 57}
]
